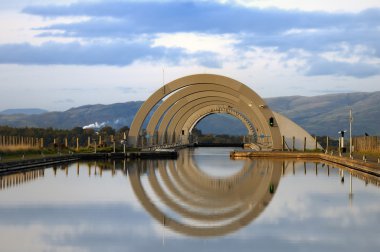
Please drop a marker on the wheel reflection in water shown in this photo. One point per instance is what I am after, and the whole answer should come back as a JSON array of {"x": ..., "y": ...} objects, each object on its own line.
[{"x": 205, "y": 205}]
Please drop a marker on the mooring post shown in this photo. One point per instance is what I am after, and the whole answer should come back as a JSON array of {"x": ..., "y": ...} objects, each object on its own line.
[
  {"x": 327, "y": 144},
  {"x": 77, "y": 143}
]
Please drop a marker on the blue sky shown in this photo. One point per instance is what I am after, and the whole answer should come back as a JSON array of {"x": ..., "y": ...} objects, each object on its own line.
[{"x": 60, "y": 54}]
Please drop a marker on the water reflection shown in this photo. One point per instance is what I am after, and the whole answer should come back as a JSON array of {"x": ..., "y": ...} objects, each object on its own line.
[
  {"x": 205, "y": 205},
  {"x": 203, "y": 202}
]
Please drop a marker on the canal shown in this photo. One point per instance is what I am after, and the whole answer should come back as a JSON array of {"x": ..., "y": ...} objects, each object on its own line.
[{"x": 203, "y": 201}]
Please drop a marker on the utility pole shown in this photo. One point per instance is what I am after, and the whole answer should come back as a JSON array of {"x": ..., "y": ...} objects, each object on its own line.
[{"x": 351, "y": 119}]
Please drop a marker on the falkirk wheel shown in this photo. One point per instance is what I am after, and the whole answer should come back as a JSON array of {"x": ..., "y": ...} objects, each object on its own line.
[{"x": 178, "y": 106}]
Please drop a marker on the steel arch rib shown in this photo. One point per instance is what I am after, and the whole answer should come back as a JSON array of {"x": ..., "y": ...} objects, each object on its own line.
[
  {"x": 183, "y": 116},
  {"x": 259, "y": 108},
  {"x": 179, "y": 109}
]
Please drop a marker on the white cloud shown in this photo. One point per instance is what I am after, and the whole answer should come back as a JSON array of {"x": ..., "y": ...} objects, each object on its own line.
[
  {"x": 310, "y": 5},
  {"x": 198, "y": 42}
]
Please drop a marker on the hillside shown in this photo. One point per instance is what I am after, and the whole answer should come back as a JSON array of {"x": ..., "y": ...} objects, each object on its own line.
[
  {"x": 328, "y": 114},
  {"x": 321, "y": 115},
  {"x": 26, "y": 111}
]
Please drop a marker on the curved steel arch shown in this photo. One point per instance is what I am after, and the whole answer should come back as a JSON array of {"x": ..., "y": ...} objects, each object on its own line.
[
  {"x": 246, "y": 95},
  {"x": 172, "y": 109},
  {"x": 181, "y": 110},
  {"x": 189, "y": 125},
  {"x": 184, "y": 96},
  {"x": 176, "y": 125},
  {"x": 193, "y": 111},
  {"x": 230, "y": 111},
  {"x": 174, "y": 115},
  {"x": 197, "y": 113}
]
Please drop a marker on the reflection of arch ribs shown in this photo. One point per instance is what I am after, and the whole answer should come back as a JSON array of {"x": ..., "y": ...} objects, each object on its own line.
[
  {"x": 250, "y": 198},
  {"x": 187, "y": 89}
]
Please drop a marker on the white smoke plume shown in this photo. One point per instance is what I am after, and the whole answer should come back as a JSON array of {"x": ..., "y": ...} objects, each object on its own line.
[{"x": 95, "y": 125}]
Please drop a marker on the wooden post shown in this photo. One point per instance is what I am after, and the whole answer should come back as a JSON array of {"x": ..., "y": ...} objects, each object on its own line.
[
  {"x": 100, "y": 139},
  {"x": 77, "y": 143},
  {"x": 88, "y": 142},
  {"x": 327, "y": 144},
  {"x": 304, "y": 144},
  {"x": 294, "y": 143},
  {"x": 66, "y": 142}
]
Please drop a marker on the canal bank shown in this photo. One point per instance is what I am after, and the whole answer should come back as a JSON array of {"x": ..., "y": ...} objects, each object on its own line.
[
  {"x": 20, "y": 165},
  {"x": 355, "y": 164}
]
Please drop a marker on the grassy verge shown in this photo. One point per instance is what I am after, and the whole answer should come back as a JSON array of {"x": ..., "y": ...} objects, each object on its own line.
[{"x": 14, "y": 154}]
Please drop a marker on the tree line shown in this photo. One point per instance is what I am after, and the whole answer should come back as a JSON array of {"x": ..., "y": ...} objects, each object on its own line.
[{"x": 58, "y": 137}]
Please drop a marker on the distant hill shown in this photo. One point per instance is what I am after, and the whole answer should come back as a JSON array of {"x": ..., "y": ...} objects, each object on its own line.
[
  {"x": 116, "y": 115},
  {"x": 328, "y": 114},
  {"x": 320, "y": 115},
  {"x": 25, "y": 111}
]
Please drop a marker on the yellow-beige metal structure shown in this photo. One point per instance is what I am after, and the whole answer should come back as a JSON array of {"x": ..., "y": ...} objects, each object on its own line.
[
  {"x": 182, "y": 103},
  {"x": 185, "y": 96}
]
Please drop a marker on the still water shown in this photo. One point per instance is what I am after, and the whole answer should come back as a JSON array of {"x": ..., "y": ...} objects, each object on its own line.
[{"x": 201, "y": 202}]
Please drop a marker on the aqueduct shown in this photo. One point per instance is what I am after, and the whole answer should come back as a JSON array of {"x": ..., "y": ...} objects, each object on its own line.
[{"x": 178, "y": 106}]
